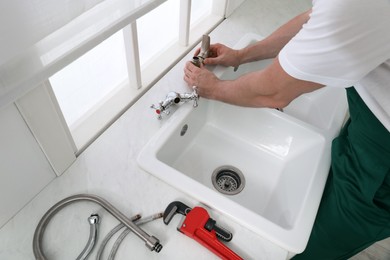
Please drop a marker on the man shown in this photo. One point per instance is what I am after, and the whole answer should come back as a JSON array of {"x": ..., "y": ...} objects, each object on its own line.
[{"x": 338, "y": 43}]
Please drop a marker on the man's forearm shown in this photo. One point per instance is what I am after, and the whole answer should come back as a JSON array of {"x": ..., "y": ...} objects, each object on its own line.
[{"x": 271, "y": 46}]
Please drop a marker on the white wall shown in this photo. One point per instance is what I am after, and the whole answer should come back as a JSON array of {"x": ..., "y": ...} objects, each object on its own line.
[
  {"x": 232, "y": 5},
  {"x": 24, "y": 169}
]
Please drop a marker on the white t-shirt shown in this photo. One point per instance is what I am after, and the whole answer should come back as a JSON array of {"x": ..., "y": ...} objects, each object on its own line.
[{"x": 345, "y": 43}]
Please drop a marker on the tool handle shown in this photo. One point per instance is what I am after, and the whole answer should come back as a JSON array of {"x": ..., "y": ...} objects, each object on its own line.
[
  {"x": 210, "y": 241},
  {"x": 194, "y": 227}
]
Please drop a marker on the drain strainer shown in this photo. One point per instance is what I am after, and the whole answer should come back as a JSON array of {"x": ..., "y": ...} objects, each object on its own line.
[{"x": 228, "y": 180}]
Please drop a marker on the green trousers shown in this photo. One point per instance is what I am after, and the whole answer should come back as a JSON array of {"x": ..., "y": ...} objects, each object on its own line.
[{"x": 355, "y": 208}]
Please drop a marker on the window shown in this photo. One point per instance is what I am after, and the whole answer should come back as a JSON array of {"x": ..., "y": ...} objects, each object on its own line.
[
  {"x": 96, "y": 88},
  {"x": 82, "y": 99},
  {"x": 199, "y": 10},
  {"x": 86, "y": 82},
  {"x": 154, "y": 36}
]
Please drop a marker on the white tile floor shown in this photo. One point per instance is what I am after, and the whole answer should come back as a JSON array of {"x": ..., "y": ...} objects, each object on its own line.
[{"x": 378, "y": 251}]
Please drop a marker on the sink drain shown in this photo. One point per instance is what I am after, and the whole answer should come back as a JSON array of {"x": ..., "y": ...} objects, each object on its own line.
[{"x": 228, "y": 180}]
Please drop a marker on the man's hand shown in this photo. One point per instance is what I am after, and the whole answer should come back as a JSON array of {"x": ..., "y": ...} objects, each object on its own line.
[
  {"x": 202, "y": 78},
  {"x": 220, "y": 54}
]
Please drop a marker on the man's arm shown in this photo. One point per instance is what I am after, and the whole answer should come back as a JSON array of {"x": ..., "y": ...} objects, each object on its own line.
[
  {"x": 271, "y": 87},
  {"x": 271, "y": 46},
  {"x": 264, "y": 49}
]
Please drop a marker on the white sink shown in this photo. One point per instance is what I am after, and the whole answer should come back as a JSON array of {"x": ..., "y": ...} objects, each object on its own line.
[{"x": 284, "y": 158}]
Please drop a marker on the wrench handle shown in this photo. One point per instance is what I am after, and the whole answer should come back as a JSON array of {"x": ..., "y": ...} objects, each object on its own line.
[
  {"x": 210, "y": 241},
  {"x": 193, "y": 226}
]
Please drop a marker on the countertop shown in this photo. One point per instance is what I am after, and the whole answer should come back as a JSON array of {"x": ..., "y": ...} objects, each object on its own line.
[{"x": 108, "y": 168}]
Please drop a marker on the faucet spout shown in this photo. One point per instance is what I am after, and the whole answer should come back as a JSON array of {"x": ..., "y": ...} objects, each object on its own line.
[
  {"x": 204, "y": 51},
  {"x": 205, "y": 47}
]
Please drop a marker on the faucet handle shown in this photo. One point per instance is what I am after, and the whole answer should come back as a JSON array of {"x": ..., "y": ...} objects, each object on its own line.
[
  {"x": 195, "y": 96},
  {"x": 159, "y": 109}
]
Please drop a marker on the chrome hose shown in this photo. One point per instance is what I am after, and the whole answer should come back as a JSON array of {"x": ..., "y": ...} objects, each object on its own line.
[
  {"x": 93, "y": 221},
  {"x": 150, "y": 241},
  {"x": 110, "y": 234},
  {"x": 127, "y": 231}
]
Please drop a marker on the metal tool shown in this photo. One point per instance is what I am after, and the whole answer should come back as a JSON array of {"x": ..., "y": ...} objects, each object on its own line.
[
  {"x": 198, "y": 225},
  {"x": 203, "y": 53},
  {"x": 151, "y": 242}
]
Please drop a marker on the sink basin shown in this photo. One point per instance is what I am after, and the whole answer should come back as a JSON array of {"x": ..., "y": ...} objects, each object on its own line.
[
  {"x": 275, "y": 154},
  {"x": 264, "y": 168},
  {"x": 280, "y": 157}
]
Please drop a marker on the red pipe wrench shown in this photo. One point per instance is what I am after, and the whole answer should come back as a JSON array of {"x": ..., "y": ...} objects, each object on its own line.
[{"x": 198, "y": 225}]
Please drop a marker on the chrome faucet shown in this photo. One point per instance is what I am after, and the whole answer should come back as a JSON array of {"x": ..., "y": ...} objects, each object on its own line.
[
  {"x": 204, "y": 51},
  {"x": 175, "y": 98}
]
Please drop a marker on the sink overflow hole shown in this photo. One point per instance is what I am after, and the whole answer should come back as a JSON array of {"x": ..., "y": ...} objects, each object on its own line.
[
  {"x": 228, "y": 180},
  {"x": 184, "y": 130}
]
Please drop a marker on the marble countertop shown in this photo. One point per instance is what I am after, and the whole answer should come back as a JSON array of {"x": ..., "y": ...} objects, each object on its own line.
[{"x": 108, "y": 168}]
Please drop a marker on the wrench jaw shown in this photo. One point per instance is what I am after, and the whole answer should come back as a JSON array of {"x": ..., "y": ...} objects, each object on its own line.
[
  {"x": 177, "y": 207},
  {"x": 174, "y": 208},
  {"x": 181, "y": 224}
]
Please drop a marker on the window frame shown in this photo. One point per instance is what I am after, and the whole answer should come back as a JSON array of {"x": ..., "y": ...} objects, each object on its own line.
[{"x": 74, "y": 141}]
